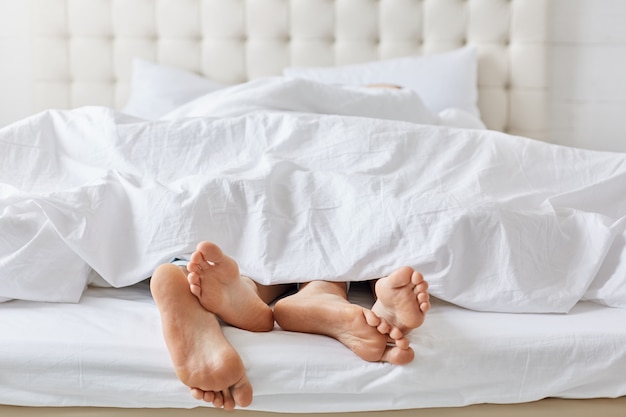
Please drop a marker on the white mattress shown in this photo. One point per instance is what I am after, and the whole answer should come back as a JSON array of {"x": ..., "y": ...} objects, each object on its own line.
[{"x": 108, "y": 351}]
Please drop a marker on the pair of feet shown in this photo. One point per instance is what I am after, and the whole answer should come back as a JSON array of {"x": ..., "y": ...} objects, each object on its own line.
[{"x": 190, "y": 305}]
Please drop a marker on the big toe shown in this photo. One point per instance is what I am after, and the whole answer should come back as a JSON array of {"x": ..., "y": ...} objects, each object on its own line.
[
  {"x": 242, "y": 392},
  {"x": 401, "y": 277},
  {"x": 398, "y": 356},
  {"x": 210, "y": 251}
]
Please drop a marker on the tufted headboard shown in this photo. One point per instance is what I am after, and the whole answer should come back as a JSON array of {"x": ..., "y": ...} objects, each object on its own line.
[{"x": 82, "y": 50}]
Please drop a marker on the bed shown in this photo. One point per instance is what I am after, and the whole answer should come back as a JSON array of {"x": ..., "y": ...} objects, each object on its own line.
[{"x": 80, "y": 344}]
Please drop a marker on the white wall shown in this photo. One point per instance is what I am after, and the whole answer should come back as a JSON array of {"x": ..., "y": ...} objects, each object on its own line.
[{"x": 587, "y": 71}]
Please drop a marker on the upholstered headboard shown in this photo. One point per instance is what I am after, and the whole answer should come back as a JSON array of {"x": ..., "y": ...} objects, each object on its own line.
[{"x": 82, "y": 49}]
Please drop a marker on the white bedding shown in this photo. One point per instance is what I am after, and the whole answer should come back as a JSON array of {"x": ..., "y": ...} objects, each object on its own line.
[
  {"x": 494, "y": 222},
  {"x": 108, "y": 350}
]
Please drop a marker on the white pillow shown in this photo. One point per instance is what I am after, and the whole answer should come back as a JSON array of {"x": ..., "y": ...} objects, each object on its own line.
[
  {"x": 300, "y": 95},
  {"x": 447, "y": 80},
  {"x": 460, "y": 118},
  {"x": 156, "y": 89}
]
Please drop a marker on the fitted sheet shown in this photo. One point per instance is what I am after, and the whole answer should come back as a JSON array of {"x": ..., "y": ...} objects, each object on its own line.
[{"x": 107, "y": 350}]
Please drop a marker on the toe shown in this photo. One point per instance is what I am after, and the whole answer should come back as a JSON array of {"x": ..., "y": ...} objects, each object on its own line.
[
  {"x": 209, "y": 396},
  {"x": 398, "y": 278},
  {"x": 402, "y": 276},
  {"x": 371, "y": 318},
  {"x": 420, "y": 289},
  {"x": 423, "y": 297},
  {"x": 194, "y": 284},
  {"x": 193, "y": 278},
  {"x": 193, "y": 266},
  {"x": 196, "y": 290},
  {"x": 210, "y": 251},
  {"x": 242, "y": 393},
  {"x": 403, "y": 343},
  {"x": 218, "y": 400},
  {"x": 196, "y": 260},
  {"x": 229, "y": 401},
  {"x": 396, "y": 334},
  {"x": 397, "y": 356},
  {"x": 417, "y": 277},
  {"x": 384, "y": 328},
  {"x": 197, "y": 393}
]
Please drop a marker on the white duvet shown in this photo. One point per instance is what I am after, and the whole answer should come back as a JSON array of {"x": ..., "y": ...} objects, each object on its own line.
[{"x": 300, "y": 181}]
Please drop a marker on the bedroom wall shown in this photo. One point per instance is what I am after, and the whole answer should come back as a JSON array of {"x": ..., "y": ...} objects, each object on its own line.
[{"x": 587, "y": 67}]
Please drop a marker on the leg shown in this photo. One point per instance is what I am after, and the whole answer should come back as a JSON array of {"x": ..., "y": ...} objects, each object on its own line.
[
  {"x": 402, "y": 302},
  {"x": 202, "y": 357},
  {"x": 215, "y": 280},
  {"x": 321, "y": 307}
]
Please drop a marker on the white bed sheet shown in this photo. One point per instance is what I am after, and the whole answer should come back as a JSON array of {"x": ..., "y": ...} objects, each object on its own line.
[{"x": 108, "y": 350}]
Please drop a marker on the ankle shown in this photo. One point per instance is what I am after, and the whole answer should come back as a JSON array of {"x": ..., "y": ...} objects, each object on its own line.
[
  {"x": 326, "y": 287},
  {"x": 265, "y": 322},
  {"x": 282, "y": 312}
]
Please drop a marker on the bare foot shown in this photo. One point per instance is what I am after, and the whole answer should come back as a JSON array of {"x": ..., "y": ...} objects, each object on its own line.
[
  {"x": 214, "y": 278},
  {"x": 203, "y": 359},
  {"x": 402, "y": 302},
  {"x": 321, "y": 308}
]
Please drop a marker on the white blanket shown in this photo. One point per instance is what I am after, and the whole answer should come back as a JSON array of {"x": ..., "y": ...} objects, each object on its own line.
[{"x": 495, "y": 222}]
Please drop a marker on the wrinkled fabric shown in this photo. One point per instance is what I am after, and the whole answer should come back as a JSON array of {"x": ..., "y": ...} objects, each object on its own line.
[{"x": 494, "y": 222}]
